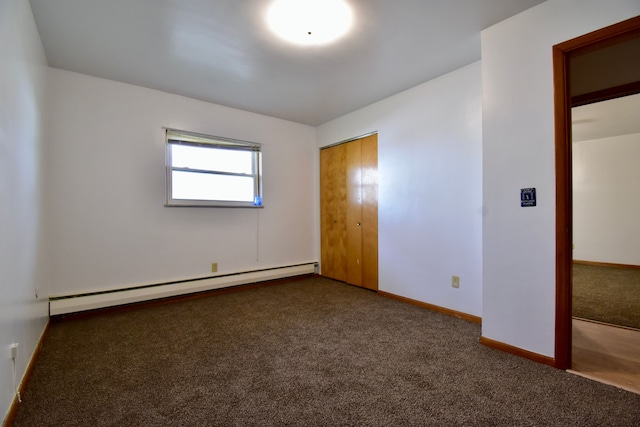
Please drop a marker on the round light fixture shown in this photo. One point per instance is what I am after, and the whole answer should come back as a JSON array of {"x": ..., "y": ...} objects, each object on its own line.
[{"x": 310, "y": 22}]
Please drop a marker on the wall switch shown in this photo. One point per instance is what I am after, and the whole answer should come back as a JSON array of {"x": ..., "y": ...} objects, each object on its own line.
[
  {"x": 214, "y": 267},
  {"x": 455, "y": 281},
  {"x": 13, "y": 349}
]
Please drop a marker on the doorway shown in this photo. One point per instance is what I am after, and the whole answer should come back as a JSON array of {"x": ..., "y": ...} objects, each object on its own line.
[
  {"x": 564, "y": 100},
  {"x": 605, "y": 339}
]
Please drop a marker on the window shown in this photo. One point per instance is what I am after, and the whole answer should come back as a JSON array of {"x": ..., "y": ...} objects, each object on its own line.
[{"x": 205, "y": 170}]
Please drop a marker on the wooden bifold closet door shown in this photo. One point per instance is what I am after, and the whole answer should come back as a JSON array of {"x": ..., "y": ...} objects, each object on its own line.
[{"x": 349, "y": 212}]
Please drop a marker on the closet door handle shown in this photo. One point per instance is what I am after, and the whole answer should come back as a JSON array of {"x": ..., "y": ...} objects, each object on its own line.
[{"x": 358, "y": 223}]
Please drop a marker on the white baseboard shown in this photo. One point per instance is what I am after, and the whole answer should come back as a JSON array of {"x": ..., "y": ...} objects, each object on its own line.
[{"x": 72, "y": 304}]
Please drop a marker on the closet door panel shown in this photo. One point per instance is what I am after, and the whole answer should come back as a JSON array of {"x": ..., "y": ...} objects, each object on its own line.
[
  {"x": 333, "y": 205},
  {"x": 370, "y": 212},
  {"x": 354, "y": 212}
]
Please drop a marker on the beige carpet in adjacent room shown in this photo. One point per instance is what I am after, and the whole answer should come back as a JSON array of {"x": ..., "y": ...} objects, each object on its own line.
[{"x": 607, "y": 294}]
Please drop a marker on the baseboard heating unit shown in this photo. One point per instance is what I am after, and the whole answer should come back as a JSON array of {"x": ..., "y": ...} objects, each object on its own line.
[{"x": 65, "y": 304}]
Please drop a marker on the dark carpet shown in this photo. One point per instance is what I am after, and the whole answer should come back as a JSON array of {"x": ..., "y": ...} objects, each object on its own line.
[
  {"x": 607, "y": 294},
  {"x": 312, "y": 352}
]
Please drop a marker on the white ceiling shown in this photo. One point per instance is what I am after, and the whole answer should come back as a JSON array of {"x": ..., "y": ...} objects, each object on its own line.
[
  {"x": 615, "y": 117},
  {"x": 221, "y": 51}
]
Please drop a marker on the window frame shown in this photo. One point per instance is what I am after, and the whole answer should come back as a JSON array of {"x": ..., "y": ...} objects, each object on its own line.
[{"x": 194, "y": 139}]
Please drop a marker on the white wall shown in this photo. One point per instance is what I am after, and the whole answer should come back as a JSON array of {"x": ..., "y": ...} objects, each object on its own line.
[
  {"x": 22, "y": 265},
  {"x": 606, "y": 206},
  {"x": 430, "y": 182},
  {"x": 518, "y": 152},
  {"x": 110, "y": 228}
]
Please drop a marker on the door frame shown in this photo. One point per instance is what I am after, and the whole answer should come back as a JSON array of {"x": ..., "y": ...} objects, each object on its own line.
[{"x": 564, "y": 181}]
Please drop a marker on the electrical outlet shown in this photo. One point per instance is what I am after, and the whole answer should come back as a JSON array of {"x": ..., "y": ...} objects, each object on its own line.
[
  {"x": 455, "y": 281},
  {"x": 214, "y": 267},
  {"x": 13, "y": 350}
]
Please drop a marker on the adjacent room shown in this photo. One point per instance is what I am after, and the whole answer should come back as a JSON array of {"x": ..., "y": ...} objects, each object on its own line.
[
  {"x": 223, "y": 212},
  {"x": 606, "y": 277}
]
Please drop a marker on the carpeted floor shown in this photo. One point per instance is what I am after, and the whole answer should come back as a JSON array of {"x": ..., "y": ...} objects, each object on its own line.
[
  {"x": 312, "y": 352},
  {"x": 607, "y": 294}
]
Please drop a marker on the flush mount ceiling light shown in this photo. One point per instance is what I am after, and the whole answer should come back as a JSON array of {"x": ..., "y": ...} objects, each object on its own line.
[{"x": 310, "y": 22}]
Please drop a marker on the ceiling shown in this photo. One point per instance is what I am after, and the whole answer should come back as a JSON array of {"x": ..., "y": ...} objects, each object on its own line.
[
  {"x": 220, "y": 51},
  {"x": 615, "y": 117}
]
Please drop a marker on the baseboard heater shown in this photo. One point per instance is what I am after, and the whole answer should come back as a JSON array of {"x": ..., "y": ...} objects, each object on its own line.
[{"x": 65, "y": 304}]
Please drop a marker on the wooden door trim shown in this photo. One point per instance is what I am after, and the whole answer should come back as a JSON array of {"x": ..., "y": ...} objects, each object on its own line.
[
  {"x": 564, "y": 208},
  {"x": 606, "y": 94}
]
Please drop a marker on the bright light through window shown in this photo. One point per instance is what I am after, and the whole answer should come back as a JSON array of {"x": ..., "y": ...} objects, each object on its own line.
[
  {"x": 198, "y": 186},
  {"x": 213, "y": 159},
  {"x": 210, "y": 171}
]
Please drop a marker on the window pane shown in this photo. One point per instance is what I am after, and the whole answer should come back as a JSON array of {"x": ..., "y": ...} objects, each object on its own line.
[
  {"x": 213, "y": 159},
  {"x": 204, "y": 186}
]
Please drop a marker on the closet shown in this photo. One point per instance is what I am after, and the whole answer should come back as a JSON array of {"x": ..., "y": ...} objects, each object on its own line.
[{"x": 349, "y": 212}]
